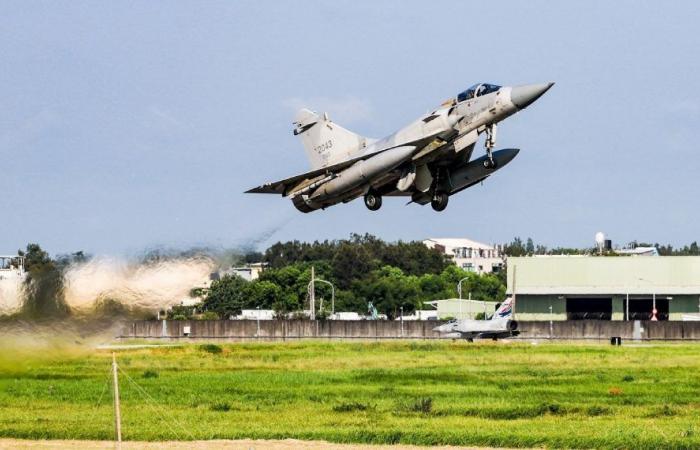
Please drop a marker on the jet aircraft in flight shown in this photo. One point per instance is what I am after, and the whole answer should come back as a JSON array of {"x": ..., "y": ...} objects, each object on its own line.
[{"x": 428, "y": 160}]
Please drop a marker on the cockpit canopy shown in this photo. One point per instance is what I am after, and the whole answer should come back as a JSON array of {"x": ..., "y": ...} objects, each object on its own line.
[{"x": 477, "y": 91}]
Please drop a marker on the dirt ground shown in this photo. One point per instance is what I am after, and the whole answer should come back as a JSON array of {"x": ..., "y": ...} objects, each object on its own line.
[{"x": 244, "y": 444}]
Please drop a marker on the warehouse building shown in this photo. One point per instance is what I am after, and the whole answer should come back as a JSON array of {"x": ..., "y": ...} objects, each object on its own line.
[{"x": 605, "y": 288}]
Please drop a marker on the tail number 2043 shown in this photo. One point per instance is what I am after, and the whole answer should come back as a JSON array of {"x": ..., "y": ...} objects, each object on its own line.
[{"x": 325, "y": 146}]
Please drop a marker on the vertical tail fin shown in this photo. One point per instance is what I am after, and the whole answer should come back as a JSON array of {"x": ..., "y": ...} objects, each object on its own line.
[
  {"x": 505, "y": 311},
  {"x": 325, "y": 142}
]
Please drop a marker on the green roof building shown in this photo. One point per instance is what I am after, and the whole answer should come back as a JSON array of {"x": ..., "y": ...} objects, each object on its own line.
[{"x": 605, "y": 288}]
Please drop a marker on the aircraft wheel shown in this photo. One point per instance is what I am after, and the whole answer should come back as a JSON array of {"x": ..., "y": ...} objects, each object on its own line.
[
  {"x": 373, "y": 201},
  {"x": 470, "y": 340},
  {"x": 439, "y": 202},
  {"x": 489, "y": 163}
]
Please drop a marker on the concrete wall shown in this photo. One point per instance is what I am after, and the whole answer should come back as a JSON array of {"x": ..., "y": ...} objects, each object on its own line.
[{"x": 367, "y": 329}]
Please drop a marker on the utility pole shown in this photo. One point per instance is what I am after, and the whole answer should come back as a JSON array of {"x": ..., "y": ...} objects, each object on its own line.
[
  {"x": 257, "y": 316},
  {"x": 117, "y": 414},
  {"x": 312, "y": 295}
]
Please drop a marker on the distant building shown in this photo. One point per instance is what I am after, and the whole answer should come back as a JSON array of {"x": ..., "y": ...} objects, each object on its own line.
[
  {"x": 469, "y": 255},
  {"x": 638, "y": 251},
  {"x": 256, "y": 314},
  {"x": 346, "y": 316},
  {"x": 605, "y": 287},
  {"x": 249, "y": 272},
  {"x": 426, "y": 314},
  {"x": 12, "y": 275}
]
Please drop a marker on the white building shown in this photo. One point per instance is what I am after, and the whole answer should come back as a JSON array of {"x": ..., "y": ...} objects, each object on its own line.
[
  {"x": 256, "y": 314},
  {"x": 248, "y": 272},
  {"x": 12, "y": 275},
  {"x": 425, "y": 314},
  {"x": 638, "y": 251},
  {"x": 469, "y": 255}
]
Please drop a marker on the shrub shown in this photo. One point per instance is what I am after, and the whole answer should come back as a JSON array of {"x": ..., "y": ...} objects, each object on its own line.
[
  {"x": 628, "y": 378},
  {"x": 351, "y": 406},
  {"x": 179, "y": 317},
  {"x": 150, "y": 374},
  {"x": 597, "y": 410},
  {"x": 211, "y": 348},
  {"x": 422, "y": 405},
  {"x": 552, "y": 408},
  {"x": 209, "y": 315},
  {"x": 220, "y": 406},
  {"x": 664, "y": 411}
]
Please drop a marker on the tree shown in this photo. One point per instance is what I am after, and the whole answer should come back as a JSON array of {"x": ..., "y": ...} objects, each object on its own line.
[
  {"x": 262, "y": 294},
  {"x": 226, "y": 296},
  {"x": 389, "y": 290},
  {"x": 43, "y": 286},
  {"x": 530, "y": 247},
  {"x": 350, "y": 262},
  {"x": 515, "y": 248}
]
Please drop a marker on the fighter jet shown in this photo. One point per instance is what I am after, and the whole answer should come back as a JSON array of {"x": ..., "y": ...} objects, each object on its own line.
[
  {"x": 429, "y": 160},
  {"x": 500, "y": 325}
]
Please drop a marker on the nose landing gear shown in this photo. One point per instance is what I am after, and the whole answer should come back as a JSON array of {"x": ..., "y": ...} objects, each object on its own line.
[
  {"x": 489, "y": 162},
  {"x": 373, "y": 201}
]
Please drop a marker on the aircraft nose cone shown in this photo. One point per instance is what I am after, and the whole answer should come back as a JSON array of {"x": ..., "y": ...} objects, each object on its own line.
[{"x": 523, "y": 96}]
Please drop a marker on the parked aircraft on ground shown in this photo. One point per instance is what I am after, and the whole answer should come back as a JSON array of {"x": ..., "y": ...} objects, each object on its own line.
[
  {"x": 429, "y": 160},
  {"x": 500, "y": 325}
]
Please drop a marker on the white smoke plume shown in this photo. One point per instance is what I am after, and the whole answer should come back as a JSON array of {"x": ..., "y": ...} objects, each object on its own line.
[{"x": 152, "y": 285}]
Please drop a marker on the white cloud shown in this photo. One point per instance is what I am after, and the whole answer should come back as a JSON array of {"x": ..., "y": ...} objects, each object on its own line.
[{"x": 346, "y": 109}]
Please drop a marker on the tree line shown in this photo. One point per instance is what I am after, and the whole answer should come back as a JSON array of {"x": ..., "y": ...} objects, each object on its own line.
[
  {"x": 362, "y": 269},
  {"x": 389, "y": 288}
]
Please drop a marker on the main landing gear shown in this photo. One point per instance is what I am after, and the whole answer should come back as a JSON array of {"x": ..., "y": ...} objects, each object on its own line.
[
  {"x": 489, "y": 162},
  {"x": 373, "y": 201},
  {"x": 439, "y": 201}
]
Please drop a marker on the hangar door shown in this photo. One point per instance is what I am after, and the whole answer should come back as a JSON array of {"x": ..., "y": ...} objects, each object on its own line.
[
  {"x": 589, "y": 308},
  {"x": 641, "y": 308}
]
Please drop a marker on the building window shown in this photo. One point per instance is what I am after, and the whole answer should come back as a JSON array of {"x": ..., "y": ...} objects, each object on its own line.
[{"x": 469, "y": 267}]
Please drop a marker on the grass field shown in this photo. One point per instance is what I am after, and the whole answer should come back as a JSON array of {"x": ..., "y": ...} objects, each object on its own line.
[{"x": 484, "y": 394}]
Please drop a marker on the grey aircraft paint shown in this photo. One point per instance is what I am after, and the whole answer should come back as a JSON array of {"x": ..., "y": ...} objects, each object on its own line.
[{"x": 428, "y": 160}]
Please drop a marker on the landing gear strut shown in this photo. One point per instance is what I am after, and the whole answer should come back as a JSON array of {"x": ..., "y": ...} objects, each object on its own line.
[
  {"x": 373, "y": 201},
  {"x": 489, "y": 162}
]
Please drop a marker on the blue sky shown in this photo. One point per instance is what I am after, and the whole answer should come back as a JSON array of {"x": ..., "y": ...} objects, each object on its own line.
[{"x": 130, "y": 125}]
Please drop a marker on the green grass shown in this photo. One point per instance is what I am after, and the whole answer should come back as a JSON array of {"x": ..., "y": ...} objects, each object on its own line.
[{"x": 486, "y": 394}]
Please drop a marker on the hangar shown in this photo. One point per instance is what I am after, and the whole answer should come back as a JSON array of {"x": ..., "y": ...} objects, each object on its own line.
[{"x": 605, "y": 287}]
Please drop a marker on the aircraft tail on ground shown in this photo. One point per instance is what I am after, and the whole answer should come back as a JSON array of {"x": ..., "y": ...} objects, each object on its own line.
[
  {"x": 325, "y": 142},
  {"x": 505, "y": 311}
]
